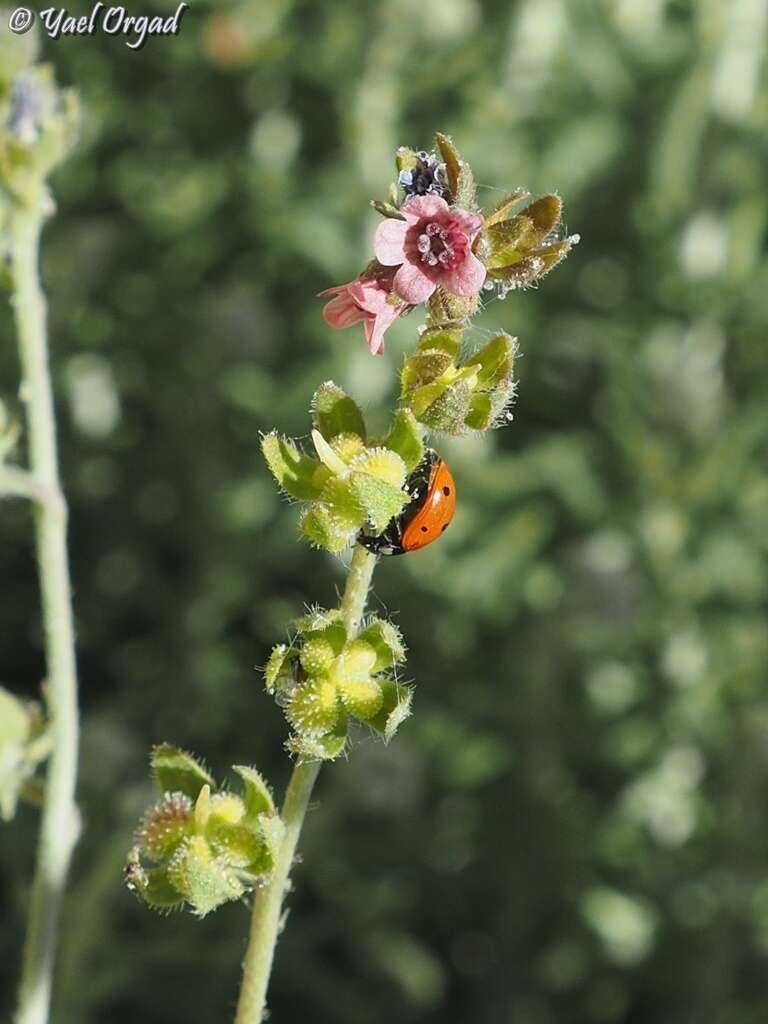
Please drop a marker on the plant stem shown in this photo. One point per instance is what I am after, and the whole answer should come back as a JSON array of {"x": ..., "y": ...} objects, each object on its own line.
[
  {"x": 268, "y": 902},
  {"x": 59, "y": 824}
]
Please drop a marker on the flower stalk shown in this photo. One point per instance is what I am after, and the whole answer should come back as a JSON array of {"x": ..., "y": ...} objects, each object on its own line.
[
  {"x": 268, "y": 902},
  {"x": 59, "y": 824}
]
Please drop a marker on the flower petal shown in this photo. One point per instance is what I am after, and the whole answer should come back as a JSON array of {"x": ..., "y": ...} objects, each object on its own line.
[
  {"x": 470, "y": 222},
  {"x": 412, "y": 284},
  {"x": 336, "y": 290},
  {"x": 424, "y": 206},
  {"x": 389, "y": 240},
  {"x": 374, "y": 335},
  {"x": 342, "y": 312},
  {"x": 467, "y": 278}
]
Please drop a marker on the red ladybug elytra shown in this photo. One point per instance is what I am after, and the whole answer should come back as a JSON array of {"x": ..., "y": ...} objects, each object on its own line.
[{"x": 426, "y": 516}]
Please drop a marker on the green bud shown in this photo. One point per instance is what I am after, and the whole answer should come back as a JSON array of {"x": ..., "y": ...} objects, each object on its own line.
[
  {"x": 317, "y": 655},
  {"x": 313, "y": 709},
  {"x": 347, "y": 447},
  {"x": 446, "y": 308},
  {"x": 451, "y": 397},
  {"x": 204, "y": 849},
  {"x": 178, "y": 772},
  {"x": 203, "y": 879}
]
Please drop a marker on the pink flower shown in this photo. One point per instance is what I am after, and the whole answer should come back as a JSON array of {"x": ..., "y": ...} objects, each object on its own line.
[
  {"x": 368, "y": 299},
  {"x": 431, "y": 247}
]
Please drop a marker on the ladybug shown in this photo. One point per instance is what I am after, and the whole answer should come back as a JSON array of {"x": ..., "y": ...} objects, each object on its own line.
[{"x": 426, "y": 516}]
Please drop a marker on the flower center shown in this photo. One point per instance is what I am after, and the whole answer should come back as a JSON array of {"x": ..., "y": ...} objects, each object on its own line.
[{"x": 440, "y": 246}]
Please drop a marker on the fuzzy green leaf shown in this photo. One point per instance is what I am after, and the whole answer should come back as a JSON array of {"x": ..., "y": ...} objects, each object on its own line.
[
  {"x": 442, "y": 339},
  {"x": 386, "y": 209},
  {"x": 334, "y": 412},
  {"x": 320, "y": 619},
  {"x": 151, "y": 885},
  {"x": 448, "y": 412},
  {"x": 545, "y": 214},
  {"x": 423, "y": 368},
  {"x": 343, "y": 506},
  {"x": 452, "y": 161},
  {"x": 480, "y": 412},
  {"x": 279, "y": 668},
  {"x": 395, "y": 708},
  {"x": 322, "y": 748},
  {"x": 381, "y": 500},
  {"x": 386, "y": 640},
  {"x": 319, "y": 526},
  {"x": 297, "y": 474},
  {"x": 501, "y": 209},
  {"x": 258, "y": 796},
  {"x": 405, "y": 439},
  {"x": 495, "y": 359},
  {"x": 466, "y": 190},
  {"x": 178, "y": 772}
]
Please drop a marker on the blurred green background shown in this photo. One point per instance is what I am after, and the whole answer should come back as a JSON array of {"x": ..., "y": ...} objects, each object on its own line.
[{"x": 572, "y": 828}]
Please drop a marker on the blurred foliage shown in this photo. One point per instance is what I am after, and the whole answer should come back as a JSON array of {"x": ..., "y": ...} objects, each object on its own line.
[{"x": 572, "y": 827}]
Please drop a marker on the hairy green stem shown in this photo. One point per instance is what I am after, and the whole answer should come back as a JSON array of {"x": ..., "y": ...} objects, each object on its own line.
[
  {"x": 268, "y": 902},
  {"x": 59, "y": 824}
]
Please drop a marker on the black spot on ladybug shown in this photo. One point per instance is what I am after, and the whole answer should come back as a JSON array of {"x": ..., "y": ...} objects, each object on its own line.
[
  {"x": 424, "y": 529},
  {"x": 446, "y": 491},
  {"x": 444, "y": 527}
]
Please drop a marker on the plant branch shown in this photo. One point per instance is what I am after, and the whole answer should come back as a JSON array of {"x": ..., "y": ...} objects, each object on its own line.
[
  {"x": 268, "y": 903},
  {"x": 59, "y": 824}
]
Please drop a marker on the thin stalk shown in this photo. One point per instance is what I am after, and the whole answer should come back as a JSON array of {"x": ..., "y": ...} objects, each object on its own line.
[
  {"x": 59, "y": 824},
  {"x": 268, "y": 902}
]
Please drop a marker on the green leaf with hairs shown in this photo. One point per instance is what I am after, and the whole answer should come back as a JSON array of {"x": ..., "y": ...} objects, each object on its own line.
[
  {"x": 334, "y": 412},
  {"x": 387, "y": 642},
  {"x": 298, "y": 475},
  {"x": 442, "y": 339},
  {"x": 501, "y": 209},
  {"x": 176, "y": 771},
  {"x": 257, "y": 794},
  {"x": 405, "y": 439}
]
